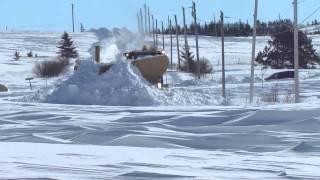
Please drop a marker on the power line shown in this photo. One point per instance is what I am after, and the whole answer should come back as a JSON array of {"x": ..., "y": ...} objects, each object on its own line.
[
  {"x": 313, "y": 13},
  {"x": 302, "y": 1}
]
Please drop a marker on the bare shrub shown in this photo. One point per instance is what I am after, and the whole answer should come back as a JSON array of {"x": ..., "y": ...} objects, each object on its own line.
[
  {"x": 288, "y": 98},
  {"x": 51, "y": 68},
  {"x": 271, "y": 97},
  {"x": 275, "y": 97},
  {"x": 30, "y": 54},
  {"x": 205, "y": 66}
]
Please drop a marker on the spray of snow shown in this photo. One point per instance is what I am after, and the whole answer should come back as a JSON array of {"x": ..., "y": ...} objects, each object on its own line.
[{"x": 120, "y": 41}]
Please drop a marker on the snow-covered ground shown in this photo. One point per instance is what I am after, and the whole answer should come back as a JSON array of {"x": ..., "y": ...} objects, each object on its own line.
[{"x": 179, "y": 133}]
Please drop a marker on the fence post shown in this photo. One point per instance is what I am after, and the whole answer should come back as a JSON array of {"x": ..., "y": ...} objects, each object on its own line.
[{"x": 97, "y": 54}]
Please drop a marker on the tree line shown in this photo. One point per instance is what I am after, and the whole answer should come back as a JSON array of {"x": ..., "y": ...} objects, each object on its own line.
[{"x": 239, "y": 28}]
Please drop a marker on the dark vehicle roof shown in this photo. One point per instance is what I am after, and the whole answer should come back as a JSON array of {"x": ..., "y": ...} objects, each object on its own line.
[
  {"x": 143, "y": 53},
  {"x": 281, "y": 75}
]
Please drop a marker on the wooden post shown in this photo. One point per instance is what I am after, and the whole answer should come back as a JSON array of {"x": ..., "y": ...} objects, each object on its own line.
[
  {"x": 215, "y": 25},
  {"x": 186, "y": 46},
  {"x": 296, "y": 53},
  {"x": 97, "y": 54},
  {"x": 72, "y": 9},
  {"x": 162, "y": 35},
  {"x": 177, "y": 36},
  {"x": 30, "y": 85},
  {"x": 156, "y": 33},
  {"x": 170, "y": 31},
  {"x": 141, "y": 21},
  {"x": 149, "y": 23},
  {"x": 253, "y": 50},
  {"x": 139, "y": 26},
  {"x": 153, "y": 33},
  {"x": 194, "y": 14},
  {"x": 222, "y": 48},
  {"x": 145, "y": 18}
]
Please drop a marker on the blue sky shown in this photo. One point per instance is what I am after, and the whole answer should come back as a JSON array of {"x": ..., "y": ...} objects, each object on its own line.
[{"x": 54, "y": 15}]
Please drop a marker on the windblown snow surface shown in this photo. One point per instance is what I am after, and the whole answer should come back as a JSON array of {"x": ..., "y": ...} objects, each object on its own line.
[{"x": 106, "y": 132}]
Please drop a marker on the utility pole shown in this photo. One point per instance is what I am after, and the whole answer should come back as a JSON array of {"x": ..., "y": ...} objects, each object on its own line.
[
  {"x": 177, "y": 36},
  {"x": 162, "y": 35},
  {"x": 170, "y": 31},
  {"x": 153, "y": 33},
  {"x": 141, "y": 21},
  {"x": 145, "y": 18},
  {"x": 222, "y": 48},
  {"x": 157, "y": 33},
  {"x": 296, "y": 53},
  {"x": 149, "y": 23},
  {"x": 254, "y": 34},
  {"x": 186, "y": 47},
  {"x": 72, "y": 9},
  {"x": 139, "y": 24},
  {"x": 194, "y": 14}
]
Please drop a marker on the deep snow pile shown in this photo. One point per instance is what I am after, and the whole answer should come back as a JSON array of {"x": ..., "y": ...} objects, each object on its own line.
[{"x": 122, "y": 85}]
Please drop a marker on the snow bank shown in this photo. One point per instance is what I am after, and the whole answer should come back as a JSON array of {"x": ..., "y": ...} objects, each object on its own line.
[
  {"x": 305, "y": 147},
  {"x": 122, "y": 85}
]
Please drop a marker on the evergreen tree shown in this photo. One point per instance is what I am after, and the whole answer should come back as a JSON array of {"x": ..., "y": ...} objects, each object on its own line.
[
  {"x": 239, "y": 28},
  {"x": 66, "y": 47},
  {"x": 280, "y": 51},
  {"x": 184, "y": 54}
]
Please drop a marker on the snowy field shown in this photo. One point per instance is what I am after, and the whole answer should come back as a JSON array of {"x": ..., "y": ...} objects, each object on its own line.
[{"x": 179, "y": 133}]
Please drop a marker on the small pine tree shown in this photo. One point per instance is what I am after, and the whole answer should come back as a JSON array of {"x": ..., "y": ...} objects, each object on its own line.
[
  {"x": 184, "y": 54},
  {"x": 16, "y": 56},
  {"x": 67, "y": 49},
  {"x": 30, "y": 54}
]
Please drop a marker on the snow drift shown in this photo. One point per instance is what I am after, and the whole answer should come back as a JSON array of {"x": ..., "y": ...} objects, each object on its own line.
[{"x": 305, "y": 147}]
